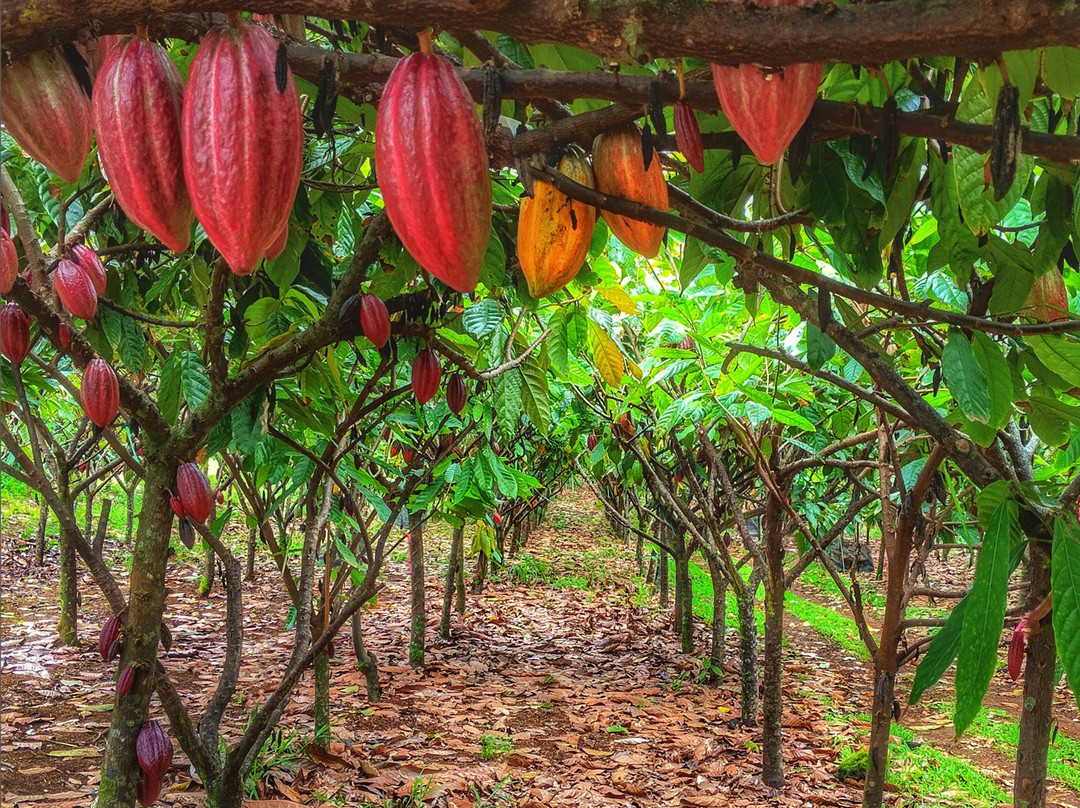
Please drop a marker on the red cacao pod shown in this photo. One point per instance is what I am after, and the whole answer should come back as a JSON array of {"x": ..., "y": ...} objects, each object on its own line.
[
  {"x": 426, "y": 373},
  {"x": 432, "y": 167},
  {"x": 1016, "y": 650},
  {"x": 554, "y": 231},
  {"x": 408, "y": 454},
  {"x": 109, "y": 638},
  {"x": 177, "y": 507},
  {"x": 496, "y": 518},
  {"x": 620, "y": 171},
  {"x": 125, "y": 681},
  {"x": 193, "y": 488},
  {"x": 688, "y": 136},
  {"x": 9, "y": 262},
  {"x": 138, "y": 98},
  {"x": 149, "y": 790},
  {"x": 47, "y": 112},
  {"x": 457, "y": 393},
  {"x": 64, "y": 335},
  {"x": 374, "y": 320},
  {"x": 75, "y": 289},
  {"x": 687, "y": 344},
  {"x": 100, "y": 392},
  {"x": 220, "y": 498},
  {"x": 1048, "y": 300},
  {"x": 626, "y": 425},
  {"x": 187, "y": 533},
  {"x": 395, "y": 449},
  {"x": 592, "y": 441},
  {"x": 768, "y": 106},
  {"x": 14, "y": 333},
  {"x": 154, "y": 749},
  {"x": 242, "y": 143}
]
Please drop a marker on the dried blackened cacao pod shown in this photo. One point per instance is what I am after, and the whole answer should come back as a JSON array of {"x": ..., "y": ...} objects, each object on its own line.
[
  {"x": 890, "y": 137},
  {"x": 187, "y": 532},
  {"x": 1005, "y": 140}
]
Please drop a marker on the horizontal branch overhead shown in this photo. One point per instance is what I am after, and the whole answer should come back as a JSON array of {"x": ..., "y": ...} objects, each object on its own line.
[{"x": 631, "y": 30}]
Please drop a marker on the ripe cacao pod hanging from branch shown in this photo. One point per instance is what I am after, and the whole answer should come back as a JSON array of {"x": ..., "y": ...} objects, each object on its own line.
[
  {"x": 154, "y": 749},
  {"x": 620, "y": 171},
  {"x": 767, "y": 106},
  {"x": 9, "y": 262},
  {"x": 426, "y": 373},
  {"x": 75, "y": 289},
  {"x": 138, "y": 98},
  {"x": 242, "y": 143},
  {"x": 100, "y": 392},
  {"x": 457, "y": 393},
  {"x": 14, "y": 333},
  {"x": 432, "y": 166},
  {"x": 90, "y": 263},
  {"x": 109, "y": 638},
  {"x": 688, "y": 136},
  {"x": 374, "y": 320},
  {"x": 554, "y": 231},
  {"x": 193, "y": 489},
  {"x": 47, "y": 112}
]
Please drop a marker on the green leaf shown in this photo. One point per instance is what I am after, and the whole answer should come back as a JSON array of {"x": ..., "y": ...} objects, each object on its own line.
[
  {"x": 535, "y": 395},
  {"x": 965, "y": 377},
  {"x": 1061, "y": 70},
  {"x": 940, "y": 653},
  {"x": 1014, "y": 274},
  {"x": 819, "y": 347},
  {"x": 493, "y": 268},
  {"x": 284, "y": 269},
  {"x": 1059, "y": 353},
  {"x": 508, "y": 400},
  {"x": 248, "y": 422},
  {"x": 999, "y": 379},
  {"x": 1049, "y": 418},
  {"x": 482, "y": 318},
  {"x": 985, "y": 616},
  {"x": 1065, "y": 586},
  {"x": 960, "y": 244},
  {"x": 168, "y": 397},
  {"x": 132, "y": 347},
  {"x": 557, "y": 348},
  {"x": 193, "y": 377}
]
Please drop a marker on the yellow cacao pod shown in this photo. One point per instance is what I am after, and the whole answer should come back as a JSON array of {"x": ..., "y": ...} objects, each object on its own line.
[
  {"x": 620, "y": 171},
  {"x": 554, "y": 231}
]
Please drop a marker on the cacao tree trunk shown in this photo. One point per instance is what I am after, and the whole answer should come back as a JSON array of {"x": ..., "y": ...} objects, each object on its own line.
[
  {"x": 140, "y": 636},
  {"x": 252, "y": 543},
  {"x": 129, "y": 524},
  {"x": 39, "y": 538},
  {"x": 772, "y": 747},
  {"x": 206, "y": 582},
  {"x": 664, "y": 577},
  {"x": 639, "y": 554},
  {"x": 748, "y": 648},
  {"x": 451, "y": 579},
  {"x": 417, "y": 620},
  {"x": 366, "y": 662},
  {"x": 67, "y": 626},
  {"x": 88, "y": 515},
  {"x": 322, "y": 698},
  {"x": 102, "y": 528},
  {"x": 481, "y": 573},
  {"x": 684, "y": 609},
  {"x": 719, "y": 602},
  {"x": 1029, "y": 782},
  {"x": 460, "y": 582}
]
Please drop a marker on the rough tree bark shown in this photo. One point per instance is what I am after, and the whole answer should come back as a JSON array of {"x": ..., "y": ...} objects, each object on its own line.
[
  {"x": 451, "y": 580},
  {"x": 772, "y": 746},
  {"x": 719, "y": 603},
  {"x": 417, "y": 619},
  {"x": 366, "y": 662}
]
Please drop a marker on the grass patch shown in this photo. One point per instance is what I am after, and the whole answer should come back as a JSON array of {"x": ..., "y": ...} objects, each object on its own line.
[{"x": 495, "y": 745}]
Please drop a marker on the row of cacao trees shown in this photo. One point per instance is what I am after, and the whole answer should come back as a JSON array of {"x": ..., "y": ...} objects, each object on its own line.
[{"x": 879, "y": 322}]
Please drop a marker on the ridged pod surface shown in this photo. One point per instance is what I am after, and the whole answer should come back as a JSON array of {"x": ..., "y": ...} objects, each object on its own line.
[
  {"x": 1017, "y": 644},
  {"x": 149, "y": 790},
  {"x": 100, "y": 392},
  {"x": 277, "y": 247},
  {"x": 242, "y": 143},
  {"x": 109, "y": 638},
  {"x": 554, "y": 231},
  {"x": 9, "y": 262},
  {"x": 432, "y": 167},
  {"x": 47, "y": 112},
  {"x": 138, "y": 98},
  {"x": 688, "y": 136},
  {"x": 193, "y": 489},
  {"x": 426, "y": 373},
  {"x": 457, "y": 393},
  {"x": 592, "y": 441},
  {"x": 620, "y": 171},
  {"x": 154, "y": 749},
  {"x": 125, "y": 681},
  {"x": 374, "y": 319},
  {"x": 64, "y": 335},
  {"x": 90, "y": 263},
  {"x": 767, "y": 107},
  {"x": 14, "y": 333},
  {"x": 75, "y": 289},
  {"x": 1048, "y": 300}
]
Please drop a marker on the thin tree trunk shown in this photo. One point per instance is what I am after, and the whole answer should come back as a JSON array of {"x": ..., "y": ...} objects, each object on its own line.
[
  {"x": 772, "y": 757},
  {"x": 252, "y": 544},
  {"x": 663, "y": 573},
  {"x": 88, "y": 515},
  {"x": 481, "y": 574},
  {"x": 102, "y": 528},
  {"x": 322, "y": 698},
  {"x": 684, "y": 609},
  {"x": 719, "y": 602},
  {"x": 129, "y": 525},
  {"x": 639, "y": 554},
  {"x": 39, "y": 538},
  {"x": 366, "y": 662},
  {"x": 460, "y": 581},
  {"x": 451, "y": 579},
  {"x": 206, "y": 582},
  {"x": 748, "y": 648},
  {"x": 68, "y": 625},
  {"x": 417, "y": 620},
  {"x": 1029, "y": 782}
]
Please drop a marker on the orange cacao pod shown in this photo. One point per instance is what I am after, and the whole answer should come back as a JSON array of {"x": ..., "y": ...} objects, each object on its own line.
[
  {"x": 154, "y": 749},
  {"x": 554, "y": 231},
  {"x": 688, "y": 136},
  {"x": 90, "y": 263},
  {"x": 109, "y": 638},
  {"x": 626, "y": 425},
  {"x": 9, "y": 262},
  {"x": 138, "y": 97},
  {"x": 457, "y": 393},
  {"x": 100, "y": 392},
  {"x": 1048, "y": 300},
  {"x": 47, "y": 112},
  {"x": 14, "y": 333},
  {"x": 426, "y": 373},
  {"x": 432, "y": 167},
  {"x": 620, "y": 171},
  {"x": 767, "y": 106},
  {"x": 75, "y": 289},
  {"x": 242, "y": 143},
  {"x": 374, "y": 320},
  {"x": 193, "y": 489}
]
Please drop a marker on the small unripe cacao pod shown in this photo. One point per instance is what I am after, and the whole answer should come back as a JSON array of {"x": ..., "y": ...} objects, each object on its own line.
[
  {"x": 177, "y": 507},
  {"x": 457, "y": 393},
  {"x": 125, "y": 681},
  {"x": 109, "y": 638},
  {"x": 187, "y": 532},
  {"x": 1048, "y": 300},
  {"x": 193, "y": 488},
  {"x": 497, "y": 518},
  {"x": 620, "y": 171},
  {"x": 154, "y": 749},
  {"x": 100, "y": 392},
  {"x": 688, "y": 136},
  {"x": 9, "y": 262},
  {"x": 592, "y": 441},
  {"x": 14, "y": 333},
  {"x": 374, "y": 320},
  {"x": 426, "y": 373},
  {"x": 75, "y": 289},
  {"x": 64, "y": 335},
  {"x": 1017, "y": 643}
]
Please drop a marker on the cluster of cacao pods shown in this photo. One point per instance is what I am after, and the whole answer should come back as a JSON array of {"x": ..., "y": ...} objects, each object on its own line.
[
  {"x": 432, "y": 166},
  {"x": 79, "y": 280},
  {"x": 154, "y": 751}
]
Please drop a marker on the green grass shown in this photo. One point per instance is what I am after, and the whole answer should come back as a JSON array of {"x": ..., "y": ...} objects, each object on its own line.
[
  {"x": 928, "y": 777},
  {"x": 495, "y": 745}
]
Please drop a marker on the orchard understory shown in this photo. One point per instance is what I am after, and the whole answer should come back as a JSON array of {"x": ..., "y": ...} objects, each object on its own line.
[{"x": 549, "y": 385}]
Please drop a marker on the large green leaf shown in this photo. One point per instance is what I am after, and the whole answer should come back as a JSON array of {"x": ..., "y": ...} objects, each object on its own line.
[
  {"x": 482, "y": 318},
  {"x": 508, "y": 401},
  {"x": 168, "y": 396},
  {"x": 999, "y": 380},
  {"x": 965, "y": 377},
  {"x": 940, "y": 653},
  {"x": 194, "y": 379},
  {"x": 1065, "y": 585},
  {"x": 535, "y": 395},
  {"x": 1061, "y": 70},
  {"x": 985, "y": 615},
  {"x": 1059, "y": 353}
]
